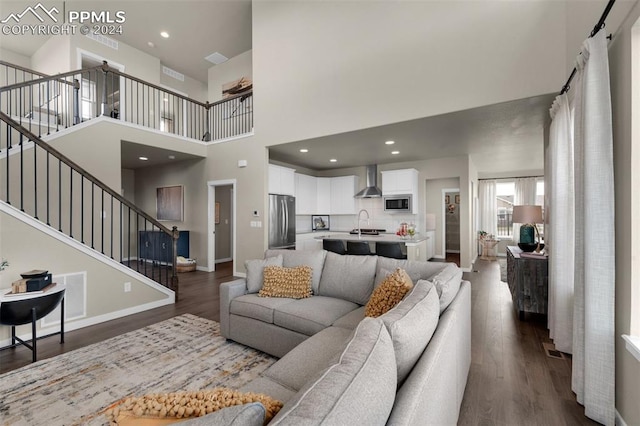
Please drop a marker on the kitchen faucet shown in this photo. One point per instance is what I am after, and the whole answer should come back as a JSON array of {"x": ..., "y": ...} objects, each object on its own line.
[{"x": 359, "y": 227}]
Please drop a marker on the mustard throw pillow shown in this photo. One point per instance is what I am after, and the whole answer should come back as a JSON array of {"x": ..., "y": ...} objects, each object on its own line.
[
  {"x": 163, "y": 409},
  {"x": 286, "y": 282},
  {"x": 389, "y": 293}
]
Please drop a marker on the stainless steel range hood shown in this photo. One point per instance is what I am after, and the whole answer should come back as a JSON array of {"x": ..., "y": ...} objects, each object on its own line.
[{"x": 372, "y": 190}]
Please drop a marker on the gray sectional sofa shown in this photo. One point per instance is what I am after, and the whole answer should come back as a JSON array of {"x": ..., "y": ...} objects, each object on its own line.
[{"x": 336, "y": 367}]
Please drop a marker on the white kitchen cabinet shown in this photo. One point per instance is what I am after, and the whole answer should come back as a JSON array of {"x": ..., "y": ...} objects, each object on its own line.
[
  {"x": 343, "y": 189},
  {"x": 402, "y": 182},
  {"x": 306, "y": 194},
  {"x": 281, "y": 180},
  {"x": 323, "y": 195}
]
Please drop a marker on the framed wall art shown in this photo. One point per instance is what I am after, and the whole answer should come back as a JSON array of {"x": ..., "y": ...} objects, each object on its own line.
[{"x": 170, "y": 203}]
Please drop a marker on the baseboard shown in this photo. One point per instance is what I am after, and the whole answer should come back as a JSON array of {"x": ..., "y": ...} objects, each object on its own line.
[
  {"x": 226, "y": 259},
  {"x": 619, "y": 420},
  {"x": 438, "y": 256},
  {"x": 202, "y": 268},
  {"x": 75, "y": 325}
]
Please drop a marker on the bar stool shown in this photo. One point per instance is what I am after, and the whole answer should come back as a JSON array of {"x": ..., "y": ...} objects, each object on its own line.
[
  {"x": 358, "y": 248},
  {"x": 393, "y": 250},
  {"x": 25, "y": 311},
  {"x": 336, "y": 246}
]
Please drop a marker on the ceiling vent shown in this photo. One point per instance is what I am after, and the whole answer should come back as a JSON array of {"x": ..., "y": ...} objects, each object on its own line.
[
  {"x": 216, "y": 58},
  {"x": 372, "y": 190}
]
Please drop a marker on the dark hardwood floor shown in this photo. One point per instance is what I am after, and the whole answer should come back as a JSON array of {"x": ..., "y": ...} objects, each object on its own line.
[{"x": 511, "y": 382}]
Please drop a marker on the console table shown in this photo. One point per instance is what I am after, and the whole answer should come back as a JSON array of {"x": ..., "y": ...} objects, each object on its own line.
[
  {"x": 528, "y": 282},
  {"x": 27, "y": 308}
]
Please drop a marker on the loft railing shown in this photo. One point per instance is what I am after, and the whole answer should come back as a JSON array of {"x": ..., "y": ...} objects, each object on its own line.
[
  {"x": 44, "y": 183},
  {"x": 52, "y": 103},
  {"x": 12, "y": 73}
]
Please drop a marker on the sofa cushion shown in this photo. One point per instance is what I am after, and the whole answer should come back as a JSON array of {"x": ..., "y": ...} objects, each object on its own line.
[
  {"x": 411, "y": 324},
  {"x": 286, "y": 282},
  {"x": 254, "y": 269},
  {"x": 388, "y": 294},
  {"x": 311, "y": 315},
  {"x": 351, "y": 320},
  {"x": 353, "y": 390},
  {"x": 308, "y": 358},
  {"x": 259, "y": 308},
  {"x": 447, "y": 283},
  {"x": 348, "y": 277},
  {"x": 252, "y": 414},
  {"x": 313, "y": 258},
  {"x": 417, "y": 270}
]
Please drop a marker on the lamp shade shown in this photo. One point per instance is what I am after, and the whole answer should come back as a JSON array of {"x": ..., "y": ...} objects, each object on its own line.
[{"x": 527, "y": 214}]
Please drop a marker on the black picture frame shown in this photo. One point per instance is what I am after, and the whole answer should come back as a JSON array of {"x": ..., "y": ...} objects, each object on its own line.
[{"x": 316, "y": 220}]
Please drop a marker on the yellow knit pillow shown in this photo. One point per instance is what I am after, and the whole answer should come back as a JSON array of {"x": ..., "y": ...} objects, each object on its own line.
[
  {"x": 389, "y": 293},
  {"x": 162, "y": 409},
  {"x": 286, "y": 282}
]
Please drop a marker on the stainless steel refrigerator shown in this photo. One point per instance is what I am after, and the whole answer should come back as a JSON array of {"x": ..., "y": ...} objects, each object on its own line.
[{"x": 282, "y": 221}]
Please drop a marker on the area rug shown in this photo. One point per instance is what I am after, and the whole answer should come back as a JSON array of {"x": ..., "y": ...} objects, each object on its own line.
[{"x": 182, "y": 353}]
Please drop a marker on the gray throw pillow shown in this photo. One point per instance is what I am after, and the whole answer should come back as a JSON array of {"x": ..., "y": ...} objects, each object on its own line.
[
  {"x": 252, "y": 414},
  {"x": 447, "y": 283},
  {"x": 416, "y": 269},
  {"x": 411, "y": 325},
  {"x": 348, "y": 277},
  {"x": 254, "y": 269}
]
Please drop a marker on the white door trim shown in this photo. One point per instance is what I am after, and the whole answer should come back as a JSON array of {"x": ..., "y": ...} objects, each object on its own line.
[
  {"x": 211, "y": 241},
  {"x": 444, "y": 220}
]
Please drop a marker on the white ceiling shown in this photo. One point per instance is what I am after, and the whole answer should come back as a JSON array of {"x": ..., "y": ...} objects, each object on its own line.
[{"x": 197, "y": 28}]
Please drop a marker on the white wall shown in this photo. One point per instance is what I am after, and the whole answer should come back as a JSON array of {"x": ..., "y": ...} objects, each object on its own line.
[
  {"x": 15, "y": 58},
  {"x": 54, "y": 56},
  {"x": 328, "y": 67},
  {"x": 233, "y": 69},
  {"x": 626, "y": 143}
]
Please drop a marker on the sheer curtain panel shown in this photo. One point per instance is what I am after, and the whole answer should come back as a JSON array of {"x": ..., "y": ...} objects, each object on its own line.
[
  {"x": 559, "y": 232},
  {"x": 488, "y": 206},
  {"x": 525, "y": 195},
  {"x": 593, "y": 375}
]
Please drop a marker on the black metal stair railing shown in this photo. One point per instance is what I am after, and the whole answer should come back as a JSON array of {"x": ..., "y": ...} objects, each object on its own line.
[
  {"x": 48, "y": 104},
  {"x": 44, "y": 183}
]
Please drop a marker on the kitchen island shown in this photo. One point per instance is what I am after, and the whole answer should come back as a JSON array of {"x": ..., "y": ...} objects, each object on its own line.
[{"x": 420, "y": 247}]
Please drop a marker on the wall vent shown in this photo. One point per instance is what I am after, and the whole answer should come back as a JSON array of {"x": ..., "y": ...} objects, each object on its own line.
[
  {"x": 75, "y": 298},
  {"x": 104, "y": 40},
  {"x": 173, "y": 73}
]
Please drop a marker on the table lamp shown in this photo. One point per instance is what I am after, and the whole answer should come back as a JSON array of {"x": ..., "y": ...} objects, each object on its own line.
[{"x": 528, "y": 216}]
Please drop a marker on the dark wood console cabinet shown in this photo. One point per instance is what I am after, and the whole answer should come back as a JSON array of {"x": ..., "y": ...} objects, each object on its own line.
[
  {"x": 528, "y": 282},
  {"x": 156, "y": 246}
]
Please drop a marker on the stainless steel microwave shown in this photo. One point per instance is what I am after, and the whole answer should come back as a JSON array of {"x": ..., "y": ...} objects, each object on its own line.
[{"x": 397, "y": 203}]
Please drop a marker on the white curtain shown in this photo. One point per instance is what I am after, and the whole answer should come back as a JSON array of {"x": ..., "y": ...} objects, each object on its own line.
[
  {"x": 524, "y": 195},
  {"x": 593, "y": 375},
  {"x": 581, "y": 232},
  {"x": 559, "y": 230},
  {"x": 488, "y": 206}
]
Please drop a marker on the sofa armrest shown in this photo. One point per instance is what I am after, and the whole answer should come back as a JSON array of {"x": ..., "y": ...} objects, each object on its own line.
[{"x": 228, "y": 292}]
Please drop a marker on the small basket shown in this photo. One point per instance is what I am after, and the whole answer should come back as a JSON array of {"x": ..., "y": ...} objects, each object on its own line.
[{"x": 186, "y": 268}]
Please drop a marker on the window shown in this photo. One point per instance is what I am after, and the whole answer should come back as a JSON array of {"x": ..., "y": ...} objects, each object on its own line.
[{"x": 505, "y": 200}]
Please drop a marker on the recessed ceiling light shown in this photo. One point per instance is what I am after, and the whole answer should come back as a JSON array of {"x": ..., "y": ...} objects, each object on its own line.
[
  {"x": 164, "y": 34},
  {"x": 143, "y": 158},
  {"x": 390, "y": 142},
  {"x": 172, "y": 157},
  {"x": 150, "y": 44},
  {"x": 333, "y": 160},
  {"x": 304, "y": 150},
  {"x": 395, "y": 152}
]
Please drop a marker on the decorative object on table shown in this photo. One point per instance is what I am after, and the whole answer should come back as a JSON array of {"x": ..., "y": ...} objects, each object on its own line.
[
  {"x": 169, "y": 203},
  {"x": 403, "y": 230},
  {"x": 411, "y": 230},
  {"x": 320, "y": 223},
  {"x": 34, "y": 273},
  {"x": 529, "y": 217},
  {"x": 35, "y": 280}
]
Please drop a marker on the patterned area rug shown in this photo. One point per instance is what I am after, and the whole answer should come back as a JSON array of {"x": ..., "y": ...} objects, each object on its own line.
[{"x": 182, "y": 353}]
